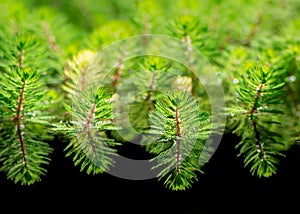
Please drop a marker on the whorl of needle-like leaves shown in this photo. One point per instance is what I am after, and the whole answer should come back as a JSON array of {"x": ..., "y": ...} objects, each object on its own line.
[
  {"x": 180, "y": 131},
  {"x": 24, "y": 126},
  {"x": 257, "y": 120},
  {"x": 91, "y": 117},
  {"x": 78, "y": 75}
]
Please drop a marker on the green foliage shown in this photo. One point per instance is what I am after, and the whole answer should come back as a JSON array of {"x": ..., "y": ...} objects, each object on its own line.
[
  {"x": 152, "y": 77},
  {"x": 24, "y": 126},
  {"x": 143, "y": 79},
  {"x": 77, "y": 73},
  {"x": 180, "y": 132},
  {"x": 91, "y": 118},
  {"x": 256, "y": 121},
  {"x": 49, "y": 86}
]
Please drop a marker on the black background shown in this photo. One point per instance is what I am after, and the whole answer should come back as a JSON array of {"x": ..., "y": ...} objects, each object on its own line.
[{"x": 225, "y": 186}]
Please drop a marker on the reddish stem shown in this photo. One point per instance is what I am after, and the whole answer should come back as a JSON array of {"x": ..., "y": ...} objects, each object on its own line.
[
  {"x": 18, "y": 123},
  {"x": 87, "y": 128},
  {"x": 178, "y": 143}
]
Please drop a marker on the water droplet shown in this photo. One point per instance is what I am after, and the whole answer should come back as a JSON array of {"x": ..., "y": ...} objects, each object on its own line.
[
  {"x": 235, "y": 81},
  {"x": 292, "y": 78}
]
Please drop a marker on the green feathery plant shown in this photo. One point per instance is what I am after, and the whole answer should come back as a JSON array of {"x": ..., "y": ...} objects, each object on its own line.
[
  {"x": 87, "y": 128},
  {"x": 28, "y": 100},
  {"x": 24, "y": 126},
  {"x": 90, "y": 117},
  {"x": 152, "y": 76},
  {"x": 180, "y": 130},
  {"x": 257, "y": 119},
  {"x": 48, "y": 87}
]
